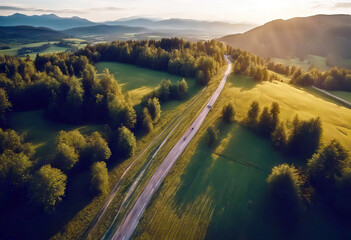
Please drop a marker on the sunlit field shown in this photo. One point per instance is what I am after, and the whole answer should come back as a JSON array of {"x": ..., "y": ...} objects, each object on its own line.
[
  {"x": 220, "y": 193},
  {"x": 140, "y": 81}
]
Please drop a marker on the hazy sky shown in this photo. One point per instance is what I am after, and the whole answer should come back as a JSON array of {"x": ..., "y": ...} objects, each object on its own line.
[{"x": 256, "y": 11}]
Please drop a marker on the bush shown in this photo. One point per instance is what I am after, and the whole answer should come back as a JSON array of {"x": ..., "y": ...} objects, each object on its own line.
[
  {"x": 126, "y": 143},
  {"x": 228, "y": 113},
  {"x": 212, "y": 133},
  {"x": 99, "y": 182},
  {"x": 47, "y": 187},
  {"x": 284, "y": 191}
]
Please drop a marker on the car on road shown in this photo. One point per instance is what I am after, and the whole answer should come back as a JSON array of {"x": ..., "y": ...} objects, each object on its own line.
[
  {"x": 192, "y": 128},
  {"x": 209, "y": 106}
]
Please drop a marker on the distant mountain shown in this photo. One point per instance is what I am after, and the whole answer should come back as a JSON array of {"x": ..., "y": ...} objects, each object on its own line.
[
  {"x": 29, "y": 34},
  {"x": 317, "y": 35},
  {"x": 103, "y": 30},
  {"x": 46, "y": 20},
  {"x": 185, "y": 24}
]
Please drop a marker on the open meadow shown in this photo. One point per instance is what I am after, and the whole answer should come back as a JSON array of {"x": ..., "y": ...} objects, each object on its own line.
[{"x": 220, "y": 193}]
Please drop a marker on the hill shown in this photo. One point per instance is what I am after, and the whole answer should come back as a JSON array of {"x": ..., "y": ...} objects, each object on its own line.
[
  {"x": 316, "y": 35},
  {"x": 104, "y": 31},
  {"x": 185, "y": 24},
  {"x": 46, "y": 20},
  {"x": 28, "y": 34}
]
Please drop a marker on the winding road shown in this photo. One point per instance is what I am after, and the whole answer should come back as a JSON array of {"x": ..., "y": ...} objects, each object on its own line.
[{"x": 126, "y": 229}]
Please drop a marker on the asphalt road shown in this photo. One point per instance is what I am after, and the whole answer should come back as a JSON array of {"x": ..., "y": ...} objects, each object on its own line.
[{"x": 126, "y": 229}]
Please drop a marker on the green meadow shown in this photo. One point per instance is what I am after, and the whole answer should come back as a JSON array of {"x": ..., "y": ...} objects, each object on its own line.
[
  {"x": 140, "y": 81},
  {"x": 220, "y": 193},
  {"x": 52, "y": 49},
  {"x": 318, "y": 61}
]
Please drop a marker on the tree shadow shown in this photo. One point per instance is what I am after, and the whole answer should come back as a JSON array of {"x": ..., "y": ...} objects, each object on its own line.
[{"x": 244, "y": 83}]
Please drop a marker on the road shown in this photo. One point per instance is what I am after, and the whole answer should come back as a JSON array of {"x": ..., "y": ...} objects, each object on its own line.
[
  {"x": 347, "y": 103},
  {"x": 126, "y": 229},
  {"x": 118, "y": 185}
]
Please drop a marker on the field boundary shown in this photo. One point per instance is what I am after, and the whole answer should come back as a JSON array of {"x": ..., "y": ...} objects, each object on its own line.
[{"x": 343, "y": 101}]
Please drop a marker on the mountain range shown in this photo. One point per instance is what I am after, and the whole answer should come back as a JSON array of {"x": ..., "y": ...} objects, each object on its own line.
[{"x": 59, "y": 23}]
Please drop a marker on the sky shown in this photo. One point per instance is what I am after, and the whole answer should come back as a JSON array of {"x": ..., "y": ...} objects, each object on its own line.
[{"x": 250, "y": 11}]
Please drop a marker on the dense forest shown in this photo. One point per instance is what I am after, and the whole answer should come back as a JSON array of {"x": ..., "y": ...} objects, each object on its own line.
[{"x": 68, "y": 90}]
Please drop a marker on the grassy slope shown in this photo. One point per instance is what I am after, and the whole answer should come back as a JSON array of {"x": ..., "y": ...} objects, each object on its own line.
[
  {"x": 140, "y": 81},
  {"x": 317, "y": 61},
  {"x": 206, "y": 196}
]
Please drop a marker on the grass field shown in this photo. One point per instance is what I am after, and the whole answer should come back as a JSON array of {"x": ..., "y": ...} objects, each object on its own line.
[
  {"x": 41, "y": 132},
  {"x": 317, "y": 61},
  {"x": 220, "y": 194},
  {"x": 140, "y": 81},
  {"x": 53, "y": 49},
  {"x": 342, "y": 94}
]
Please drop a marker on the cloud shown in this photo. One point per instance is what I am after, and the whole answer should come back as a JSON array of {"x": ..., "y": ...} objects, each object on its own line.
[
  {"x": 342, "y": 5},
  {"x": 72, "y": 11}
]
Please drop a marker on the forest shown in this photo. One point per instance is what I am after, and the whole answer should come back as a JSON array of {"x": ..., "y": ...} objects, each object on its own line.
[{"x": 68, "y": 89}]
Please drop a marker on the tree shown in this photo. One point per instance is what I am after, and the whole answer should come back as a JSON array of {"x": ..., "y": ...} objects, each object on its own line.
[
  {"x": 327, "y": 165},
  {"x": 5, "y": 107},
  {"x": 147, "y": 121},
  {"x": 96, "y": 149},
  {"x": 284, "y": 191},
  {"x": 265, "y": 123},
  {"x": 212, "y": 133},
  {"x": 275, "y": 110},
  {"x": 73, "y": 138},
  {"x": 99, "y": 180},
  {"x": 14, "y": 167},
  {"x": 228, "y": 112},
  {"x": 48, "y": 186},
  {"x": 279, "y": 136},
  {"x": 126, "y": 143},
  {"x": 182, "y": 89},
  {"x": 164, "y": 90},
  {"x": 305, "y": 137},
  {"x": 66, "y": 156},
  {"x": 154, "y": 108},
  {"x": 252, "y": 114}
]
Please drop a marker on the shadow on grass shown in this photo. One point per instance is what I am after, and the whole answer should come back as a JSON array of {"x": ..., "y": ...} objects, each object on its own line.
[
  {"x": 244, "y": 83},
  {"x": 236, "y": 191}
]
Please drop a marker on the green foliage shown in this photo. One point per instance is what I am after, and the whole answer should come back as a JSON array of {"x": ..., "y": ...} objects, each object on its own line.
[
  {"x": 96, "y": 148},
  {"x": 66, "y": 156},
  {"x": 10, "y": 140},
  {"x": 265, "y": 122},
  {"x": 154, "y": 108},
  {"x": 274, "y": 111},
  {"x": 212, "y": 133},
  {"x": 5, "y": 106},
  {"x": 327, "y": 164},
  {"x": 252, "y": 114},
  {"x": 189, "y": 59},
  {"x": 147, "y": 121},
  {"x": 99, "y": 182},
  {"x": 182, "y": 89},
  {"x": 47, "y": 187},
  {"x": 14, "y": 167},
  {"x": 126, "y": 143},
  {"x": 279, "y": 137},
  {"x": 228, "y": 113},
  {"x": 305, "y": 137},
  {"x": 284, "y": 184}
]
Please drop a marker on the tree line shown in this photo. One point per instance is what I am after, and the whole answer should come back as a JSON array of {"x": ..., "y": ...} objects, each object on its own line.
[{"x": 201, "y": 59}]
